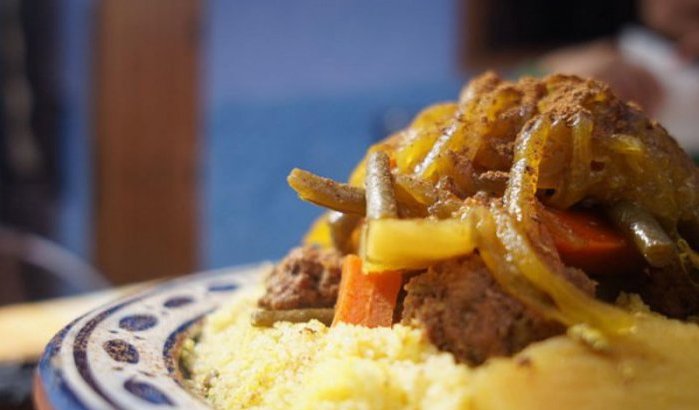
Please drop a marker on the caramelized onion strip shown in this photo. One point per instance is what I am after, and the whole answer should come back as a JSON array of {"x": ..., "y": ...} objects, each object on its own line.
[
  {"x": 575, "y": 306},
  {"x": 495, "y": 257},
  {"x": 516, "y": 229},
  {"x": 520, "y": 195}
]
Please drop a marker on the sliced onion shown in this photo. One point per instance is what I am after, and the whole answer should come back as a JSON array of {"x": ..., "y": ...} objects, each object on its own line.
[{"x": 574, "y": 305}]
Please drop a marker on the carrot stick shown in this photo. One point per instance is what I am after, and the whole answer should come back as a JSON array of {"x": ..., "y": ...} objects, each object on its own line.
[
  {"x": 366, "y": 299},
  {"x": 588, "y": 242}
]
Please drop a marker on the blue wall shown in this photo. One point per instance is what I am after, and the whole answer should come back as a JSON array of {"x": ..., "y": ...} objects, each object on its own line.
[
  {"x": 75, "y": 35},
  {"x": 249, "y": 211},
  {"x": 286, "y": 49},
  {"x": 305, "y": 83}
]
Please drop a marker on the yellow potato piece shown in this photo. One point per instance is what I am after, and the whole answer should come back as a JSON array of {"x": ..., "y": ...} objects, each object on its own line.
[
  {"x": 657, "y": 367},
  {"x": 415, "y": 243}
]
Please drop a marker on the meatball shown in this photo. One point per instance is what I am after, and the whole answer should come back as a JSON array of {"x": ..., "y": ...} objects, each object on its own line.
[
  {"x": 465, "y": 311},
  {"x": 308, "y": 277}
]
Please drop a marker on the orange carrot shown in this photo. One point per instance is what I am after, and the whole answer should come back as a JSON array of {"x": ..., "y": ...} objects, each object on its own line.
[
  {"x": 366, "y": 299},
  {"x": 588, "y": 242}
]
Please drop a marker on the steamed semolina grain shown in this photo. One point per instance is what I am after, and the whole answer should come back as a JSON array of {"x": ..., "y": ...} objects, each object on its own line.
[
  {"x": 360, "y": 383},
  {"x": 310, "y": 366}
]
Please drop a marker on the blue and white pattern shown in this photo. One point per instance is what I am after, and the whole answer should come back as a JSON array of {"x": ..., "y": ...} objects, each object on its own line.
[{"x": 125, "y": 354}]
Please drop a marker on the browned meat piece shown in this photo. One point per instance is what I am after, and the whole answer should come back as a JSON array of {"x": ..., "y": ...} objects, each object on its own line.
[
  {"x": 308, "y": 277},
  {"x": 465, "y": 311},
  {"x": 669, "y": 292}
]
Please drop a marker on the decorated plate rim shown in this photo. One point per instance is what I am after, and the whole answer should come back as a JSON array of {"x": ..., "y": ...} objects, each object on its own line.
[{"x": 124, "y": 355}]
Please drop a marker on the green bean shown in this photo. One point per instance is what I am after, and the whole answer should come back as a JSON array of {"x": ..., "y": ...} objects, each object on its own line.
[
  {"x": 326, "y": 192},
  {"x": 646, "y": 233},
  {"x": 380, "y": 197},
  {"x": 414, "y": 197},
  {"x": 267, "y": 318},
  {"x": 341, "y": 228}
]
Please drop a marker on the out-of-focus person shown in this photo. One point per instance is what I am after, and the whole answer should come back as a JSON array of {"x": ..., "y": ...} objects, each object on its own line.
[
  {"x": 676, "y": 19},
  {"x": 654, "y": 64}
]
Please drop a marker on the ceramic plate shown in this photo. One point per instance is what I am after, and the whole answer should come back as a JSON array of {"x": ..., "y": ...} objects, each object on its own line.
[{"x": 125, "y": 354}]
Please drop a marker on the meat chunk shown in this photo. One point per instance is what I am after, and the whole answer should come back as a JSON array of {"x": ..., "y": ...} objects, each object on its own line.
[
  {"x": 669, "y": 291},
  {"x": 466, "y": 312},
  {"x": 308, "y": 277}
]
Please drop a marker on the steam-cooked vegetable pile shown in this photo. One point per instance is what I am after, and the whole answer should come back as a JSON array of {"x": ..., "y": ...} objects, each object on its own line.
[{"x": 503, "y": 210}]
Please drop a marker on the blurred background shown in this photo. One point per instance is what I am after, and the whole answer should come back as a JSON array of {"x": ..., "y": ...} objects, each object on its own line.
[
  {"x": 150, "y": 139},
  {"x": 145, "y": 139}
]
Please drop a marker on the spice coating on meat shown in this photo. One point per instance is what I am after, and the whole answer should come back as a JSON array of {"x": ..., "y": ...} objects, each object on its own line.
[
  {"x": 308, "y": 277},
  {"x": 463, "y": 310}
]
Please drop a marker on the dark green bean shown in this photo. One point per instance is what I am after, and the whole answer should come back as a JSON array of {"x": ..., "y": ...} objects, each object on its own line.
[
  {"x": 380, "y": 197},
  {"x": 267, "y": 318},
  {"x": 415, "y": 198},
  {"x": 646, "y": 233},
  {"x": 326, "y": 192},
  {"x": 341, "y": 228}
]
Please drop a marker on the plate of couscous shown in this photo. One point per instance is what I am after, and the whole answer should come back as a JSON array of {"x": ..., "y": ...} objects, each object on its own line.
[{"x": 532, "y": 245}]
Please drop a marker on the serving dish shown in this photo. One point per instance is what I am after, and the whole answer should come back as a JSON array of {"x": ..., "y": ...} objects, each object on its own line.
[{"x": 124, "y": 355}]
